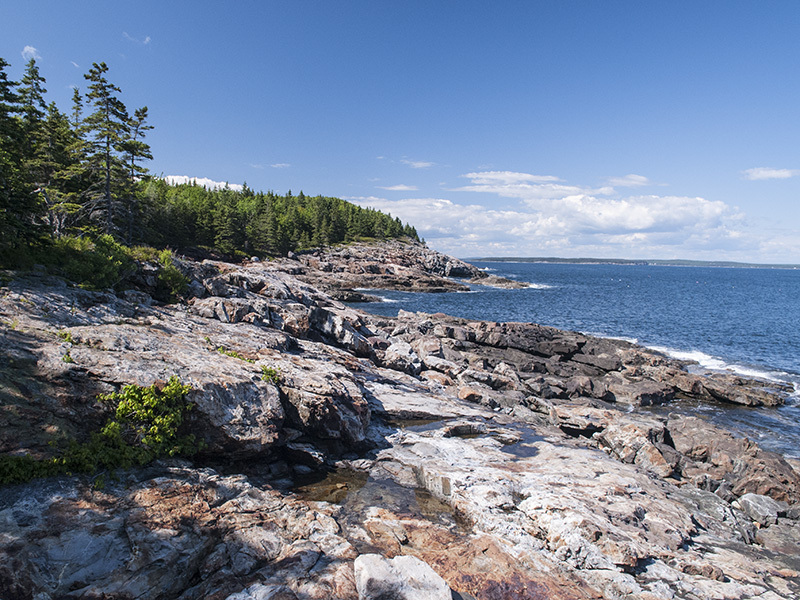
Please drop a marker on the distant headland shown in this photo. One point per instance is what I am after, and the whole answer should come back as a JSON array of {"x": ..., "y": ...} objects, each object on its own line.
[{"x": 627, "y": 261}]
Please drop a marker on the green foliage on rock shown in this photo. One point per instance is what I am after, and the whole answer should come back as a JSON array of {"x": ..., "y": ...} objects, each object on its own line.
[
  {"x": 270, "y": 374},
  {"x": 146, "y": 425},
  {"x": 148, "y": 418},
  {"x": 93, "y": 264},
  {"x": 172, "y": 284}
]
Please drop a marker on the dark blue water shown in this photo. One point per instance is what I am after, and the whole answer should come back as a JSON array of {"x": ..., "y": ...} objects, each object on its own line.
[{"x": 735, "y": 319}]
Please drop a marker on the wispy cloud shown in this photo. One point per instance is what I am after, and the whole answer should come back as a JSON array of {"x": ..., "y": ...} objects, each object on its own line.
[
  {"x": 761, "y": 173},
  {"x": 399, "y": 188},
  {"x": 280, "y": 165},
  {"x": 130, "y": 38},
  {"x": 628, "y": 181},
  {"x": 418, "y": 164},
  {"x": 525, "y": 186},
  {"x": 29, "y": 52},
  {"x": 74, "y": 64},
  {"x": 202, "y": 181},
  {"x": 553, "y": 217}
]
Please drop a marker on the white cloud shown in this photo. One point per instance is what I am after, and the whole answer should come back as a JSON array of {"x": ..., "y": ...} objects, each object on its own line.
[
  {"x": 524, "y": 186},
  {"x": 130, "y": 38},
  {"x": 418, "y": 164},
  {"x": 280, "y": 166},
  {"x": 760, "y": 173},
  {"x": 202, "y": 181},
  {"x": 29, "y": 52},
  {"x": 552, "y": 217},
  {"x": 508, "y": 177},
  {"x": 630, "y": 180},
  {"x": 74, "y": 64},
  {"x": 399, "y": 188},
  {"x": 592, "y": 209}
]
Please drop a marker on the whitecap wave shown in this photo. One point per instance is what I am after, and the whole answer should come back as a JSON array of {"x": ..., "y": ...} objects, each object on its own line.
[
  {"x": 540, "y": 286},
  {"x": 620, "y": 338},
  {"x": 714, "y": 363}
]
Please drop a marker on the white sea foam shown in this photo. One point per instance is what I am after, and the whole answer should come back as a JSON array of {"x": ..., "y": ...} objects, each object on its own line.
[
  {"x": 540, "y": 286},
  {"x": 389, "y": 301},
  {"x": 621, "y": 338},
  {"x": 714, "y": 363}
]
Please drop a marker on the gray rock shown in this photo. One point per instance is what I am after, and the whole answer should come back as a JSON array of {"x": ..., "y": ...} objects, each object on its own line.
[
  {"x": 762, "y": 509},
  {"x": 399, "y": 578},
  {"x": 400, "y": 356}
]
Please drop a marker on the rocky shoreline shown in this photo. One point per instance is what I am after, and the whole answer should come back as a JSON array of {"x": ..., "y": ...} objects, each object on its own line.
[{"x": 423, "y": 454}]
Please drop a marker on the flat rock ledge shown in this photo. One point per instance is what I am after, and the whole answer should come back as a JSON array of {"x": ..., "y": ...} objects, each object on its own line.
[{"x": 422, "y": 456}]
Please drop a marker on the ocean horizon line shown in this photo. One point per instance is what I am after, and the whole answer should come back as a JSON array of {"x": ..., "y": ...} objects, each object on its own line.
[{"x": 633, "y": 261}]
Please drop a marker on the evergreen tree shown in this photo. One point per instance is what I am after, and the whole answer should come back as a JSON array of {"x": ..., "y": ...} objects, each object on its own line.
[
  {"x": 31, "y": 95},
  {"x": 77, "y": 109},
  {"x": 106, "y": 129},
  {"x": 19, "y": 207},
  {"x": 57, "y": 170},
  {"x": 135, "y": 151}
]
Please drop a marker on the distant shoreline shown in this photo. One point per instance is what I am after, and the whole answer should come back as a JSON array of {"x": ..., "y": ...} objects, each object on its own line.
[{"x": 641, "y": 262}]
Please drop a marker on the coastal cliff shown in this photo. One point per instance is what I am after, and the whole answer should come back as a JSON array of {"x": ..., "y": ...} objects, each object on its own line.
[{"x": 510, "y": 460}]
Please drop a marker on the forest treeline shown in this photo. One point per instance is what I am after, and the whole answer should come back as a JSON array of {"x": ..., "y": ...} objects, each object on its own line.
[{"x": 71, "y": 179}]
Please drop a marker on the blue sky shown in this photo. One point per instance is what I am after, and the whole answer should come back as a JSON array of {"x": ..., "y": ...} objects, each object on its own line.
[{"x": 574, "y": 128}]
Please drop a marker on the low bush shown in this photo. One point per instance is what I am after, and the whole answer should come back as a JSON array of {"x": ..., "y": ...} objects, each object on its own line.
[{"x": 146, "y": 425}]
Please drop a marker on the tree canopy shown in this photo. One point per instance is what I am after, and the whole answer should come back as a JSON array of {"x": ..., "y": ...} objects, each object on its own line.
[{"x": 83, "y": 173}]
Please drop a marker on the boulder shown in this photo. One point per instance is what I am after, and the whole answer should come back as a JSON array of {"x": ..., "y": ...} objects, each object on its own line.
[
  {"x": 762, "y": 509},
  {"x": 400, "y": 356},
  {"x": 398, "y": 578}
]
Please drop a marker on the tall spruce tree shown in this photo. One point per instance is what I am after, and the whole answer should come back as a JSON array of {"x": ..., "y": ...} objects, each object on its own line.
[
  {"x": 31, "y": 95},
  {"x": 106, "y": 129},
  {"x": 58, "y": 170},
  {"x": 19, "y": 207},
  {"x": 135, "y": 151}
]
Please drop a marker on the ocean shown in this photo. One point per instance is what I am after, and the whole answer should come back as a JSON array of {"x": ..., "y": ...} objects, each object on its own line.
[{"x": 742, "y": 320}]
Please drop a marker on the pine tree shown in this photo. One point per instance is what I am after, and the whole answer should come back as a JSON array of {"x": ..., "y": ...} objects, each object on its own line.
[
  {"x": 31, "y": 95},
  {"x": 106, "y": 129},
  {"x": 135, "y": 150},
  {"x": 58, "y": 170},
  {"x": 77, "y": 109},
  {"x": 19, "y": 207}
]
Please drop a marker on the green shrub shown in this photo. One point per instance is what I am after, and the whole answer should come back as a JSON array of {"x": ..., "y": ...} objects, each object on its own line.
[
  {"x": 93, "y": 264},
  {"x": 172, "y": 284},
  {"x": 234, "y": 354},
  {"x": 270, "y": 374},
  {"x": 149, "y": 418},
  {"x": 143, "y": 253},
  {"x": 146, "y": 425},
  {"x": 66, "y": 335}
]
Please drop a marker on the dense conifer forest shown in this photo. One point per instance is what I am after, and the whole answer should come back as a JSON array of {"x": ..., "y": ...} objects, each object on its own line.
[{"x": 77, "y": 182}]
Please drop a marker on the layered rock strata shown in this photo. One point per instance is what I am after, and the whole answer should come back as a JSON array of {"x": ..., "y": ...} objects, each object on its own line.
[{"x": 514, "y": 460}]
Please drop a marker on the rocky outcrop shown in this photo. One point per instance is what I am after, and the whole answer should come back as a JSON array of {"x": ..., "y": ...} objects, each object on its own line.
[
  {"x": 392, "y": 265},
  {"x": 509, "y": 459}
]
